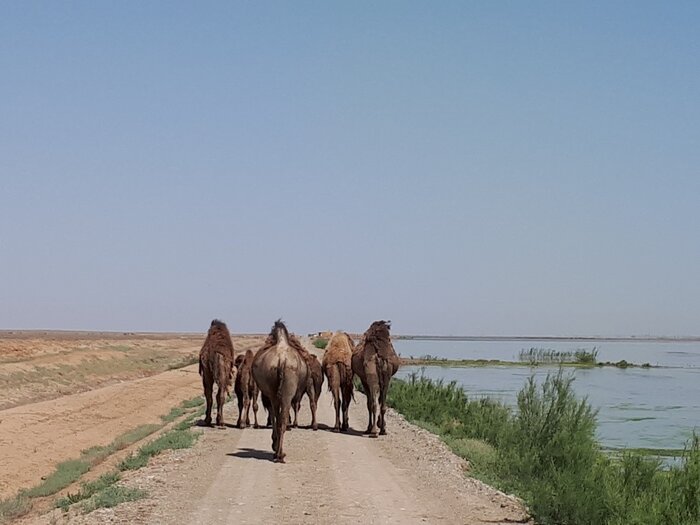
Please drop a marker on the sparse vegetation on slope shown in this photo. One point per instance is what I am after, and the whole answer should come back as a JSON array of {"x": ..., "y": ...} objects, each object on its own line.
[{"x": 101, "y": 492}]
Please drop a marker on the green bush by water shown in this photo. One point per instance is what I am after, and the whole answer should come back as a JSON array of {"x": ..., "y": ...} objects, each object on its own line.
[{"x": 546, "y": 453}]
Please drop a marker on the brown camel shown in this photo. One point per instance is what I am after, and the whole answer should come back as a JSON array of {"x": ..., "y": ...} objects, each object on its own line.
[
  {"x": 246, "y": 389},
  {"x": 216, "y": 365},
  {"x": 281, "y": 372},
  {"x": 337, "y": 365},
  {"x": 314, "y": 383},
  {"x": 375, "y": 362}
]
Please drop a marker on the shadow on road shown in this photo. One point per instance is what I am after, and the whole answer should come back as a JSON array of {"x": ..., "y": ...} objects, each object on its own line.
[{"x": 252, "y": 453}]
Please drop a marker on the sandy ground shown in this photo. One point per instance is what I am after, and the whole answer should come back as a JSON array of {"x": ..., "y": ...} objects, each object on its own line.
[
  {"x": 408, "y": 476},
  {"x": 36, "y": 366},
  {"x": 34, "y": 437}
]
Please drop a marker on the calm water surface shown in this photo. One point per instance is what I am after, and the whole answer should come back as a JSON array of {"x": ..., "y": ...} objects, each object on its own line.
[{"x": 654, "y": 408}]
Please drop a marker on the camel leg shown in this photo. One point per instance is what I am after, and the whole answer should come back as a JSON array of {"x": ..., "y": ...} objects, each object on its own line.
[
  {"x": 382, "y": 412},
  {"x": 220, "y": 400},
  {"x": 347, "y": 396},
  {"x": 373, "y": 405},
  {"x": 272, "y": 417},
  {"x": 255, "y": 409},
  {"x": 369, "y": 412},
  {"x": 239, "y": 398},
  {"x": 336, "y": 403},
  {"x": 312, "y": 406},
  {"x": 281, "y": 424},
  {"x": 334, "y": 387},
  {"x": 246, "y": 408},
  {"x": 208, "y": 395},
  {"x": 268, "y": 406},
  {"x": 297, "y": 407}
]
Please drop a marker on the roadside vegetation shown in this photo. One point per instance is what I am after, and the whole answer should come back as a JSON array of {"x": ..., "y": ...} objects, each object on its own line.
[
  {"x": 103, "y": 492},
  {"x": 546, "y": 452}
]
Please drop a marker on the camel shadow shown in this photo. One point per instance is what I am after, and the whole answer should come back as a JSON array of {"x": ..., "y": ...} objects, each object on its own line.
[
  {"x": 349, "y": 431},
  {"x": 201, "y": 423},
  {"x": 252, "y": 453}
]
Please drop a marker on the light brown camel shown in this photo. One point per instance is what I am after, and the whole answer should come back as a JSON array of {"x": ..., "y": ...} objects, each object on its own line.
[
  {"x": 337, "y": 365},
  {"x": 375, "y": 362},
  {"x": 314, "y": 383},
  {"x": 216, "y": 365},
  {"x": 246, "y": 389},
  {"x": 281, "y": 372}
]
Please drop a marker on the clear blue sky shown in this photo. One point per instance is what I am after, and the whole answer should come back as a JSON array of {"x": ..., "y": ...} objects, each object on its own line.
[{"x": 456, "y": 167}]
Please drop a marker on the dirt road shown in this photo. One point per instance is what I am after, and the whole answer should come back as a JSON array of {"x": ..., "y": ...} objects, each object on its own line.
[{"x": 408, "y": 476}]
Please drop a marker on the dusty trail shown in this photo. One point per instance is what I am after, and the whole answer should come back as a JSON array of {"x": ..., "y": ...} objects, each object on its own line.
[{"x": 408, "y": 476}]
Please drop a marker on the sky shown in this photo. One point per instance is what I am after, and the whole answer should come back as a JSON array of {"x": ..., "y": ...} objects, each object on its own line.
[{"x": 478, "y": 168}]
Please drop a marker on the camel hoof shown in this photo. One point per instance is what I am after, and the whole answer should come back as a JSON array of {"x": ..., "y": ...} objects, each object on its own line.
[
  {"x": 256, "y": 426},
  {"x": 336, "y": 429},
  {"x": 314, "y": 427},
  {"x": 373, "y": 435},
  {"x": 382, "y": 432}
]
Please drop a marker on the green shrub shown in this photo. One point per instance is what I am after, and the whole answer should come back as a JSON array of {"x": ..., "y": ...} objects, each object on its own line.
[
  {"x": 320, "y": 343},
  {"x": 174, "y": 439},
  {"x": 88, "y": 489},
  {"x": 113, "y": 496},
  {"x": 12, "y": 508},
  {"x": 66, "y": 473},
  {"x": 194, "y": 402}
]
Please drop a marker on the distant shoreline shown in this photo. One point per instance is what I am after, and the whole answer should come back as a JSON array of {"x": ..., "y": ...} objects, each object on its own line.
[
  {"x": 631, "y": 338},
  {"x": 398, "y": 337}
]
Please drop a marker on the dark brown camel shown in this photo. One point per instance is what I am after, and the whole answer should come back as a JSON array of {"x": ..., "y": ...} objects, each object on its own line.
[
  {"x": 314, "y": 384},
  {"x": 375, "y": 362},
  {"x": 216, "y": 366},
  {"x": 337, "y": 365},
  {"x": 246, "y": 389},
  {"x": 281, "y": 372}
]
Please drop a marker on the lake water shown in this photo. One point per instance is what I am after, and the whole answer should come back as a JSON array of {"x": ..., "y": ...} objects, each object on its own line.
[{"x": 650, "y": 407}]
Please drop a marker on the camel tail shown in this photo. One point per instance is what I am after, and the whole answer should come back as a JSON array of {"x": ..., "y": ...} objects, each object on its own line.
[
  {"x": 223, "y": 373},
  {"x": 345, "y": 374},
  {"x": 280, "y": 382},
  {"x": 201, "y": 367}
]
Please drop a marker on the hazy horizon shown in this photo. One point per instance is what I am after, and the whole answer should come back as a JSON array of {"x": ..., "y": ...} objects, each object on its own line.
[{"x": 459, "y": 168}]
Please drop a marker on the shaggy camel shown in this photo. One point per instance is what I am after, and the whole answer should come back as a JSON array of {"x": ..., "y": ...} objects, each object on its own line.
[
  {"x": 216, "y": 365},
  {"x": 314, "y": 383},
  {"x": 337, "y": 365},
  {"x": 281, "y": 372},
  {"x": 375, "y": 362},
  {"x": 246, "y": 389}
]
